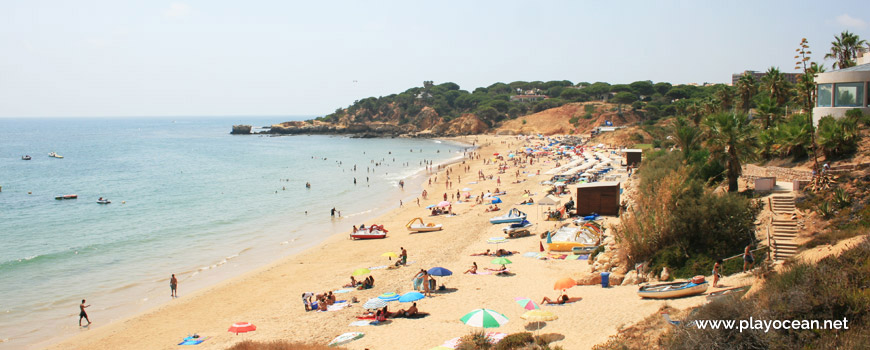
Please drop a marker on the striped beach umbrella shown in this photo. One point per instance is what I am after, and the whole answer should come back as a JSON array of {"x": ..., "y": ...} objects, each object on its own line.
[
  {"x": 539, "y": 316},
  {"x": 389, "y": 296},
  {"x": 375, "y": 303},
  {"x": 527, "y": 303},
  {"x": 346, "y": 338},
  {"x": 484, "y": 318},
  {"x": 242, "y": 327}
]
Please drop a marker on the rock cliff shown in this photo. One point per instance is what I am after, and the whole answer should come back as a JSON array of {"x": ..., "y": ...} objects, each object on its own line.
[{"x": 241, "y": 130}]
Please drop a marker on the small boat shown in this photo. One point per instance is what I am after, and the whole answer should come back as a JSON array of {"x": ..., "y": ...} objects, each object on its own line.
[
  {"x": 421, "y": 227},
  {"x": 25, "y": 157},
  {"x": 695, "y": 286},
  {"x": 67, "y": 196},
  {"x": 519, "y": 229},
  {"x": 729, "y": 291},
  {"x": 103, "y": 201},
  {"x": 514, "y": 215},
  {"x": 55, "y": 155},
  {"x": 371, "y": 232},
  {"x": 567, "y": 238}
]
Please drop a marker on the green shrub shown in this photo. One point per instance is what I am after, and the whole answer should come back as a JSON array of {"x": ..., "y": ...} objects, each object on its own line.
[
  {"x": 589, "y": 108},
  {"x": 515, "y": 341},
  {"x": 588, "y": 115},
  {"x": 474, "y": 341},
  {"x": 574, "y": 121},
  {"x": 837, "y": 137}
]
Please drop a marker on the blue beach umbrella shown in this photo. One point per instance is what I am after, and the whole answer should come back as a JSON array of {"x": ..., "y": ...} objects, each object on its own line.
[
  {"x": 496, "y": 200},
  {"x": 439, "y": 271},
  {"x": 411, "y": 297},
  {"x": 430, "y": 206}
]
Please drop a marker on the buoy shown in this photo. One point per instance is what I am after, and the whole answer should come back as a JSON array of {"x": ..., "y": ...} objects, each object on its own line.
[{"x": 123, "y": 202}]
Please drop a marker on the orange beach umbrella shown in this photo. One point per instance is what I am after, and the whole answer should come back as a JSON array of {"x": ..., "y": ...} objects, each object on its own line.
[{"x": 564, "y": 283}]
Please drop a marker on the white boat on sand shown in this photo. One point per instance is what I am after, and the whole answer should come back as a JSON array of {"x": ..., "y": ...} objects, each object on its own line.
[{"x": 421, "y": 227}]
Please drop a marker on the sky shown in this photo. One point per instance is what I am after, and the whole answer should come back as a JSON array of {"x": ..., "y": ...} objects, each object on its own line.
[{"x": 109, "y": 58}]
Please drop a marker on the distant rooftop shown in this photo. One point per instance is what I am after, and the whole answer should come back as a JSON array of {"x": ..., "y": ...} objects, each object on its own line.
[{"x": 859, "y": 68}]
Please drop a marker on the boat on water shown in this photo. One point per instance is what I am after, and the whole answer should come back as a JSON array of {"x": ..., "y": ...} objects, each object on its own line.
[
  {"x": 103, "y": 201},
  {"x": 67, "y": 196},
  {"x": 565, "y": 239},
  {"x": 518, "y": 229},
  {"x": 55, "y": 155},
  {"x": 371, "y": 232},
  {"x": 25, "y": 157},
  {"x": 697, "y": 285},
  {"x": 514, "y": 215},
  {"x": 421, "y": 227}
]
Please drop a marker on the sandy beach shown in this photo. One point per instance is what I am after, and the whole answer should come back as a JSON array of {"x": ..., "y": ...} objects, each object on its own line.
[{"x": 269, "y": 297}]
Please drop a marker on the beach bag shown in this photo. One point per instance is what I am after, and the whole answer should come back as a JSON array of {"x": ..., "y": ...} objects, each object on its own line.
[{"x": 698, "y": 279}]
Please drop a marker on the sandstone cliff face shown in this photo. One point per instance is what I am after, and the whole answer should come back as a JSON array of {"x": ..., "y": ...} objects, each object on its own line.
[
  {"x": 467, "y": 124},
  {"x": 241, "y": 130}
]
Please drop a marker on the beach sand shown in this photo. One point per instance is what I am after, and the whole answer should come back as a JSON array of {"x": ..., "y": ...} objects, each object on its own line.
[{"x": 269, "y": 297}]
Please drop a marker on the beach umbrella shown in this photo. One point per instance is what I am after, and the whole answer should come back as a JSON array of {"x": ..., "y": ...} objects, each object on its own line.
[
  {"x": 374, "y": 303},
  {"x": 390, "y": 296},
  {"x": 242, "y": 327},
  {"x": 564, "y": 283},
  {"x": 439, "y": 271},
  {"x": 501, "y": 261},
  {"x": 346, "y": 338},
  {"x": 361, "y": 272},
  {"x": 443, "y": 204},
  {"x": 496, "y": 241},
  {"x": 484, "y": 318},
  {"x": 430, "y": 206},
  {"x": 496, "y": 200},
  {"x": 495, "y": 154},
  {"x": 527, "y": 303},
  {"x": 539, "y": 316},
  {"x": 411, "y": 297},
  {"x": 390, "y": 255}
]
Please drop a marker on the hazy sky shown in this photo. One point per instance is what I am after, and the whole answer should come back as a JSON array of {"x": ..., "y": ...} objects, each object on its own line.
[{"x": 217, "y": 58}]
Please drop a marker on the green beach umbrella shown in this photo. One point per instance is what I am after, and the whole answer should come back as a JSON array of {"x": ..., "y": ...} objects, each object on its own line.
[
  {"x": 484, "y": 318},
  {"x": 501, "y": 261},
  {"x": 361, "y": 272}
]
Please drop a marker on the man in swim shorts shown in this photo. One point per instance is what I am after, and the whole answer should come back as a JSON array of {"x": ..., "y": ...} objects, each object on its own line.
[
  {"x": 173, "y": 285},
  {"x": 83, "y": 314}
]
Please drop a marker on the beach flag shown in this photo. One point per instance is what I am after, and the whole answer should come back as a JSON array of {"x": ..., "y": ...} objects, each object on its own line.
[{"x": 542, "y": 245}]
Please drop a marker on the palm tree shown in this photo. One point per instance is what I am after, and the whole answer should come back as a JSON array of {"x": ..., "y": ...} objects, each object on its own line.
[
  {"x": 731, "y": 139},
  {"x": 844, "y": 49},
  {"x": 769, "y": 111},
  {"x": 775, "y": 84},
  {"x": 694, "y": 111},
  {"x": 687, "y": 136},
  {"x": 725, "y": 95},
  {"x": 746, "y": 89}
]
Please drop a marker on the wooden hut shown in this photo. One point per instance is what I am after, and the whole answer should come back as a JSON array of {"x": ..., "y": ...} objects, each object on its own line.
[{"x": 598, "y": 197}]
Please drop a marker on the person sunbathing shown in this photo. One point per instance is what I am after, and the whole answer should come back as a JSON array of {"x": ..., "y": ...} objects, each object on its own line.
[
  {"x": 502, "y": 252},
  {"x": 473, "y": 269},
  {"x": 353, "y": 283},
  {"x": 562, "y": 299},
  {"x": 411, "y": 311},
  {"x": 503, "y": 268},
  {"x": 486, "y": 253},
  {"x": 330, "y": 298}
]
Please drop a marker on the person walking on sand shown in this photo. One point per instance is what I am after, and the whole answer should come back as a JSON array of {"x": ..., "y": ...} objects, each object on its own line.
[
  {"x": 748, "y": 259},
  {"x": 716, "y": 267},
  {"x": 83, "y": 314},
  {"x": 173, "y": 286},
  {"x": 404, "y": 256},
  {"x": 426, "y": 284}
]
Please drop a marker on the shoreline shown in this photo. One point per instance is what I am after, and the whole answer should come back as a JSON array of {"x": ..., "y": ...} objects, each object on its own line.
[
  {"x": 269, "y": 296},
  {"x": 228, "y": 268}
]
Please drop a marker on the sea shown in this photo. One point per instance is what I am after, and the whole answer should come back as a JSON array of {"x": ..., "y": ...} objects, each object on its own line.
[{"x": 187, "y": 198}]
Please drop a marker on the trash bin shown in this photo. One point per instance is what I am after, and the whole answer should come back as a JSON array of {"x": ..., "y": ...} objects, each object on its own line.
[{"x": 605, "y": 279}]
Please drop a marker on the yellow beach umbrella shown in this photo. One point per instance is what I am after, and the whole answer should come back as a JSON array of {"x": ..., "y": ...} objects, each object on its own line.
[
  {"x": 539, "y": 316},
  {"x": 390, "y": 255},
  {"x": 361, "y": 272}
]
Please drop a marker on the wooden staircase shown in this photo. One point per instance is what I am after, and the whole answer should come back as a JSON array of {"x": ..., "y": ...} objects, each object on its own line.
[{"x": 784, "y": 229}]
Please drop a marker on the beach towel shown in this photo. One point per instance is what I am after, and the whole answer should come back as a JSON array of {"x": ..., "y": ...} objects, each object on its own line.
[
  {"x": 336, "y": 307},
  {"x": 193, "y": 341},
  {"x": 531, "y": 254},
  {"x": 492, "y": 337},
  {"x": 583, "y": 257},
  {"x": 361, "y": 323},
  {"x": 479, "y": 272},
  {"x": 345, "y": 290},
  {"x": 378, "y": 267}
]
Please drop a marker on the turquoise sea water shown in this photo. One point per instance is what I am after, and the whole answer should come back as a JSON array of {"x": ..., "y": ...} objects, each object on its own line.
[{"x": 187, "y": 198}]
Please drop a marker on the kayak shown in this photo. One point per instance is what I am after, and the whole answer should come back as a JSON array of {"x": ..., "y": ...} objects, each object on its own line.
[{"x": 672, "y": 290}]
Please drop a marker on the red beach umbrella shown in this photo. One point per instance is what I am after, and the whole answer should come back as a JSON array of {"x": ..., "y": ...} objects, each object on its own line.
[{"x": 242, "y": 327}]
